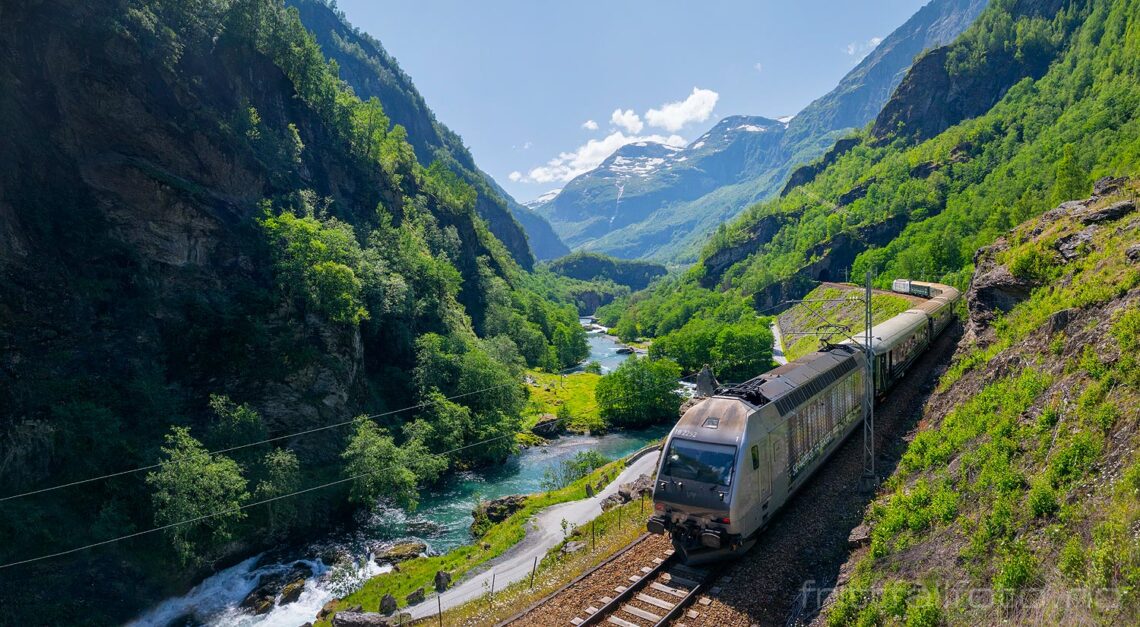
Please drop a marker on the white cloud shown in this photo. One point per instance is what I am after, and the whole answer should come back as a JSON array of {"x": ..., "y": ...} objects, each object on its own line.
[
  {"x": 588, "y": 156},
  {"x": 862, "y": 48},
  {"x": 590, "y": 125},
  {"x": 673, "y": 116},
  {"x": 759, "y": 66},
  {"x": 627, "y": 119}
]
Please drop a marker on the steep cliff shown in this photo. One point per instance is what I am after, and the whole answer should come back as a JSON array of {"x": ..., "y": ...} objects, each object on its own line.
[{"x": 191, "y": 204}]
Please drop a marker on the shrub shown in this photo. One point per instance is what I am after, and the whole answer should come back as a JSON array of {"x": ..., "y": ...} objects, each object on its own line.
[
  {"x": 1016, "y": 570},
  {"x": 1042, "y": 499},
  {"x": 1072, "y": 560}
]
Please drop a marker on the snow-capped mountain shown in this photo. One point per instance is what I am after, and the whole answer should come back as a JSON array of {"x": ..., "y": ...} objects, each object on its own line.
[
  {"x": 660, "y": 202},
  {"x": 542, "y": 199},
  {"x": 639, "y": 178}
]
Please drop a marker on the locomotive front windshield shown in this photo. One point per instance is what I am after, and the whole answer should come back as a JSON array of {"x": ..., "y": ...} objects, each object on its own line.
[{"x": 698, "y": 461}]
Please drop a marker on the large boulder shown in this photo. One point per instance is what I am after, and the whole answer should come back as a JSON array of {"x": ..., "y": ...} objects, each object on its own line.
[
  {"x": 387, "y": 604},
  {"x": 292, "y": 591},
  {"x": 1115, "y": 211},
  {"x": 636, "y": 488},
  {"x": 400, "y": 552},
  {"x": 501, "y": 508},
  {"x": 361, "y": 619},
  {"x": 442, "y": 580},
  {"x": 548, "y": 425},
  {"x": 415, "y": 597}
]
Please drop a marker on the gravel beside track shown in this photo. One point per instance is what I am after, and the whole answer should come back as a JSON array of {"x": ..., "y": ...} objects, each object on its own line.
[
  {"x": 806, "y": 544},
  {"x": 571, "y": 602}
]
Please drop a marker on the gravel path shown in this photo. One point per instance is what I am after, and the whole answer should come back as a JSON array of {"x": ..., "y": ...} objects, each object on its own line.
[
  {"x": 573, "y": 600},
  {"x": 807, "y": 542},
  {"x": 543, "y": 532}
]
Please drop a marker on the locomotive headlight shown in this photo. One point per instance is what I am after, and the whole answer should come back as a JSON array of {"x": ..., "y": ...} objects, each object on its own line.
[{"x": 659, "y": 506}]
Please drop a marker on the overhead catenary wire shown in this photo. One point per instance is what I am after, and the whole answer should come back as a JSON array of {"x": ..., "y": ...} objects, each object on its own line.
[
  {"x": 278, "y": 438},
  {"x": 245, "y": 506}
]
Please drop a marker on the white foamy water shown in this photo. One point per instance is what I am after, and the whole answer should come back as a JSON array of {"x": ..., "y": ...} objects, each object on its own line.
[{"x": 216, "y": 600}]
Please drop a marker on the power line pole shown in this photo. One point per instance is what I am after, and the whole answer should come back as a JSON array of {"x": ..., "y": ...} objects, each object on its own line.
[{"x": 869, "y": 478}]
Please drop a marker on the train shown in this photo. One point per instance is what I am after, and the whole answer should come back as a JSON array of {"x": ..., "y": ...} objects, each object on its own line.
[{"x": 734, "y": 459}]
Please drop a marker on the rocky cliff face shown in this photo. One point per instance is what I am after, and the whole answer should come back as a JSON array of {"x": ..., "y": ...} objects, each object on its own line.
[
  {"x": 135, "y": 279},
  {"x": 964, "y": 80}
]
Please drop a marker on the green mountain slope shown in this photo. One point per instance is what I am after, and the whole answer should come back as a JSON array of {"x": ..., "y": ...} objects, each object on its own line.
[
  {"x": 1065, "y": 81},
  {"x": 371, "y": 71},
  {"x": 1019, "y": 498},
  {"x": 193, "y": 204}
]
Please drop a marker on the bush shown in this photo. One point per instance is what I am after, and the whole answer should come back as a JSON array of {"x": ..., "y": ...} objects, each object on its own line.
[
  {"x": 640, "y": 392},
  {"x": 1016, "y": 570},
  {"x": 567, "y": 471},
  {"x": 1042, "y": 500}
]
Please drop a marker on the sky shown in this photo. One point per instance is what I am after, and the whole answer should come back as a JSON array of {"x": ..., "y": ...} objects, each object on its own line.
[{"x": 543, "y": 91}]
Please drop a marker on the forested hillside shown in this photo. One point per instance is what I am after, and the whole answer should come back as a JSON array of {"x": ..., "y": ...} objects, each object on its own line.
[
  {"x": 370, "y": 71},
  {"x": 1018, "y": 499},
  {"x": 1040, "y": 99},
  {"x": 207, "y": 240}
]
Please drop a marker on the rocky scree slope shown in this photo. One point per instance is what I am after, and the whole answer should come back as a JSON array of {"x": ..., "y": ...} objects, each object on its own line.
[{"x": 1022, "y": 483}]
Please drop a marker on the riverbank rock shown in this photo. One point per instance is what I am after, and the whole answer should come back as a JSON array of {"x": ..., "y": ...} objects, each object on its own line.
[
  {"x": 636, "y": 488},
  {"x": 400, "y": 552},
  {"x": 263, "y": 597},
  {"x": 292, "y": 591},
  {"x": 860, "y": 536},
  {"x": 501, "y": 508},
  {"x": 415, "y": 597},
  {"x": 361, "y": 619},
  {"x": 548, "y": 425},
  {"x": 387, "y": 604},
  {"x": 573, "y": 547},
  {"x": 442, "y": 580}
]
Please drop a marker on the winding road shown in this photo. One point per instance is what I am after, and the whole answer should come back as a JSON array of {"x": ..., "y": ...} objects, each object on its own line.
[{"x": 543, "y": 532}]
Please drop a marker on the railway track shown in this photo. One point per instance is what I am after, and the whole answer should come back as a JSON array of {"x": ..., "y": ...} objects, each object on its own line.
[{"x": 657, "y": 594}]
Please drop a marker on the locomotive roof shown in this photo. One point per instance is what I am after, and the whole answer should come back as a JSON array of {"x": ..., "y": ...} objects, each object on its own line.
[{"x": 790, "y": 384}]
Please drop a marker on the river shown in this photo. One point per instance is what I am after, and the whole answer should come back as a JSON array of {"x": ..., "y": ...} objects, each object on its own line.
[{"x": 442, "y": 522}]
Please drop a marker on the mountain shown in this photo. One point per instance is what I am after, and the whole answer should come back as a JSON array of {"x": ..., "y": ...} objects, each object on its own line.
[
  {"x": 371, "y": 72},
  {"x": 673, "y": 217},
  {"x": 584, "y": 266},
  {"x": 633, "y": 183},
  {"x": 544, "y": 242},
  {"x": 207, "y": 241}
]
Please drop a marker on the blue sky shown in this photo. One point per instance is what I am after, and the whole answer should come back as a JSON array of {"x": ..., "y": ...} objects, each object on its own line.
[{"x": 519, "y": 80}]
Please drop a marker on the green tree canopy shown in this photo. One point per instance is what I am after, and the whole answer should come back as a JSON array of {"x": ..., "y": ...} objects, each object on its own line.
[
  {"x": 380, "y": 469},
  {"x": 641, "y": 391},
  {"x": 193, "y": 484}
]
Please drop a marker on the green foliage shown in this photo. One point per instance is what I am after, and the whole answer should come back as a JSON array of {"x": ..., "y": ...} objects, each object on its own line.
[
  {"x": 190, "y": 485},
  {"x": 736, "y": 351},
  {"x": 490, "y": 388},
  {"x": 590, "y": 266},
  {"x": 567, "y": 471},
  {"x": 1017, "y": 570},
  {"x": 378, "y": 469},
  {"x": 641, "y": 391},
  {"x": 315, "y": 261},
  {"x": 281, "y": 475},
  {"x": 1042, "y": 499}
]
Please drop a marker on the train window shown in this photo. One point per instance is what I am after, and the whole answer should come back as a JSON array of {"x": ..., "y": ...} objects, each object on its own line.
[
  {"x": 700, "y": 461},
  {"x": 755, "y": 456}
]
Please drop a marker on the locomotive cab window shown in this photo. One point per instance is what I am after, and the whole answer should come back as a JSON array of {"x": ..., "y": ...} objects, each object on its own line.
[{"x": 700, "y": 461}]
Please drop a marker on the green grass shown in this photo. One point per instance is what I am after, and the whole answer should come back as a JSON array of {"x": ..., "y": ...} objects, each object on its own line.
[
  {"x": 614, "y": 530},
  {"x": 575, "y": 391},
  {"x": 420, "y": 572},
  {"x": 851, "y": 315}
]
